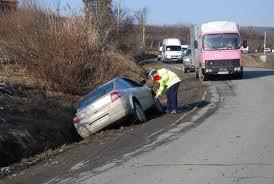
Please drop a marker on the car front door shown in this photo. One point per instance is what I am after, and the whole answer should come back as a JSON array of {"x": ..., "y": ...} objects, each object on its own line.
[{"x": 144, "y": 93}]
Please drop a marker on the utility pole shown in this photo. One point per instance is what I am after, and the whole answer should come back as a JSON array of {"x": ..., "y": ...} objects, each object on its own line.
[
  {"x": 118, "y": 15},
  {"x": 264, "y": 42},
  {"x": 144, "y": 27}
]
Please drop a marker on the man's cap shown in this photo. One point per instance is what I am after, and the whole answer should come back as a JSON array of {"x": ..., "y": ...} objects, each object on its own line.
[{"x": 152, "y": 72}]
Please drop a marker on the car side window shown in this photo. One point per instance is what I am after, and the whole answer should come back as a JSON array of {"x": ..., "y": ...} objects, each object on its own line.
[
  {"x": 121, "y": 84},
  {"x": 132, "y": 83}
]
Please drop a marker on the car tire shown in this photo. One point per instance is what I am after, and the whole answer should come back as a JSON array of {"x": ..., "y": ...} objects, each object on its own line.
[
  {"x": 139, "y": 113},
  {"x": 183, "y": 69},
  {"x": 158, "y": 106}
]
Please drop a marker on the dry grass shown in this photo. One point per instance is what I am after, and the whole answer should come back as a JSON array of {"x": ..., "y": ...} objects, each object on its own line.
[
  {"x": 253, "y": 60},
  {"x": 66, "y": 53},
  {"x": 50, "y": 61}
]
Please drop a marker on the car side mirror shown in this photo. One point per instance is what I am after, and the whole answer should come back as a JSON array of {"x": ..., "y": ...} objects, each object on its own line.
[
  {"x": 196, "y": 44},
  {"x": 245, "y": 44}
]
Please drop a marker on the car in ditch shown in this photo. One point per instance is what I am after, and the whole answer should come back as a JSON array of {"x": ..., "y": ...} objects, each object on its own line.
[{"x": 115, "y": 100}]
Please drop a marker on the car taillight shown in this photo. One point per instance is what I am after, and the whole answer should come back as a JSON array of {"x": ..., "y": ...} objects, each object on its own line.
[
  {"x": 76, "y": 120},
  {"x": 115, "y": 96}
]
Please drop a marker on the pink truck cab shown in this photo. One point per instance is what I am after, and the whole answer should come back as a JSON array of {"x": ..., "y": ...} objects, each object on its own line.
[{"x": 217, "y": 50}]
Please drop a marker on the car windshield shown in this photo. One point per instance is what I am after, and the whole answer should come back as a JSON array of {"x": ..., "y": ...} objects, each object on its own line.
[
  {"x": 174, "y": 48},
  {"x": 221, "y": 41},
  {"x": 188, "y": 52},
  {"x": 96, "y": 94}
]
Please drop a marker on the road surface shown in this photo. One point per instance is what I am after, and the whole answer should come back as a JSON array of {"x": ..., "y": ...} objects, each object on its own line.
[{"x": 229, "y": 140}]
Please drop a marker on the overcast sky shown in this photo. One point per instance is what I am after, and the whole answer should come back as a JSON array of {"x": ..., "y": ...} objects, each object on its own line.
[{"x": 244, "y": 12}]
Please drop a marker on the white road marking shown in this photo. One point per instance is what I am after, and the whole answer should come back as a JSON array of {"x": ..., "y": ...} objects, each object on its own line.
[
  {"x": 155, "y": 133},
  {"x": 180, "y": 119},
  {"x": 53, "y": 179},
  {"x": 204, "y": 96}
]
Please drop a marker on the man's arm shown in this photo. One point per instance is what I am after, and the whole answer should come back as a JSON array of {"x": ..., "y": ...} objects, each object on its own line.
[{"x": 162, "y": 82}]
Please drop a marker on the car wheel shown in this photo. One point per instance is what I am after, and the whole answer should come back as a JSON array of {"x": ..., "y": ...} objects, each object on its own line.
[
  {"x": 158, "y": 106},
  {"x": 184, "y": 69},
  {"x": 139, "y": 113},
  {"x": 196, "y": 73}
]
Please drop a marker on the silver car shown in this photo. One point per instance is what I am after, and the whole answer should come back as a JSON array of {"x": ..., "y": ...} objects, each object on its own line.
[
  {"x": 187, "y": 62},
  {"x": 111, "y": 102}
]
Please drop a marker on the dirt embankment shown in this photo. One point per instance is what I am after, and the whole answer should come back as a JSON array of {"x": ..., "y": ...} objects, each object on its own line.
[
  {"x": 190, "y": 94},
  {"x": 253, "y": 60},
  {"x": 33, "y": 119},
  {"x": 32, "y": 122}
]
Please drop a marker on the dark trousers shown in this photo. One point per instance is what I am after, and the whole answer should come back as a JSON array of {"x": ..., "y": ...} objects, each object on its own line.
[{"x": 172, "y": 97}]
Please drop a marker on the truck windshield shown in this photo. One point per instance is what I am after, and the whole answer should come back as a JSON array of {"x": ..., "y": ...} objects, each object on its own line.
[
  {"x": 173, "y": 48},
  {"x": 228, "y": 41}
]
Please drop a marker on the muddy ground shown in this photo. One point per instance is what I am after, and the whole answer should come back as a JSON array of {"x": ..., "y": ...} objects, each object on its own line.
[
  {"x": 32, "y": 122},
  {"x": 60, "y": 160}
]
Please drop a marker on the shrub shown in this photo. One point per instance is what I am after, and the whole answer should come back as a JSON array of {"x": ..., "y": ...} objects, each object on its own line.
[{"x": 66, "y": 52}]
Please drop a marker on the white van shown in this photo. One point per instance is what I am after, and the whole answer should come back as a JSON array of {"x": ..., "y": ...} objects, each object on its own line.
[{"x": 171, "y": 50}]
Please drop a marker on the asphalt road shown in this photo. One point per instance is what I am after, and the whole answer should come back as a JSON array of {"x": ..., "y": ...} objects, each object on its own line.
[
  {"x": 227, "y": 140},
  {"x": 234, "y": 145}
]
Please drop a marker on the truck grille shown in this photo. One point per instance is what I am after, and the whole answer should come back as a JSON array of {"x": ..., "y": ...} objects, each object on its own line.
[{"x": 222, "y": 63}]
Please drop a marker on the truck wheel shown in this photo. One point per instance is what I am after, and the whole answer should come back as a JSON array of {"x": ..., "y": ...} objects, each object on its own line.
[
  {"x": 239, "y": 75},
  {"x": 139, "y": 113},
  {"x": 202, "y": 77}
]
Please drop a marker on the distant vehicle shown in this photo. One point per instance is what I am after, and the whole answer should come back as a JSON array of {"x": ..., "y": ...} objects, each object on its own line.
[
  {"x": 185, "y": 48},
  {"x": 171, "y": 50},
  {"x": 217, "y": 49},
  {"x": 159, "y": 56},
  {"x": 111, "y": 102},
  {"x": 268, "y": 50},
  {"x": 187, "y": 62}
]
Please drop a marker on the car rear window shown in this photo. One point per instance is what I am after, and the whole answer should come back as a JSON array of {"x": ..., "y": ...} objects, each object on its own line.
[{"x": 96, "y": 94}]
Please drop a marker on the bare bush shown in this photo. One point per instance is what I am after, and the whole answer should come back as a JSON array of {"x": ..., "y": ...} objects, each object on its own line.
[{"x": 66, "y": 52}]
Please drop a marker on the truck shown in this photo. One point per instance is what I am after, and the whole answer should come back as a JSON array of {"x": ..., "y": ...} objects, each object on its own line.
[
  {"x": 217, "y": 49},
  {"x": 171, "y": 50}
]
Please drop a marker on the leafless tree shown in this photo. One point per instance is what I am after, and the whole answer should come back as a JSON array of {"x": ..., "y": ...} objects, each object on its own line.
[{"x": 141, "y": 18}]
